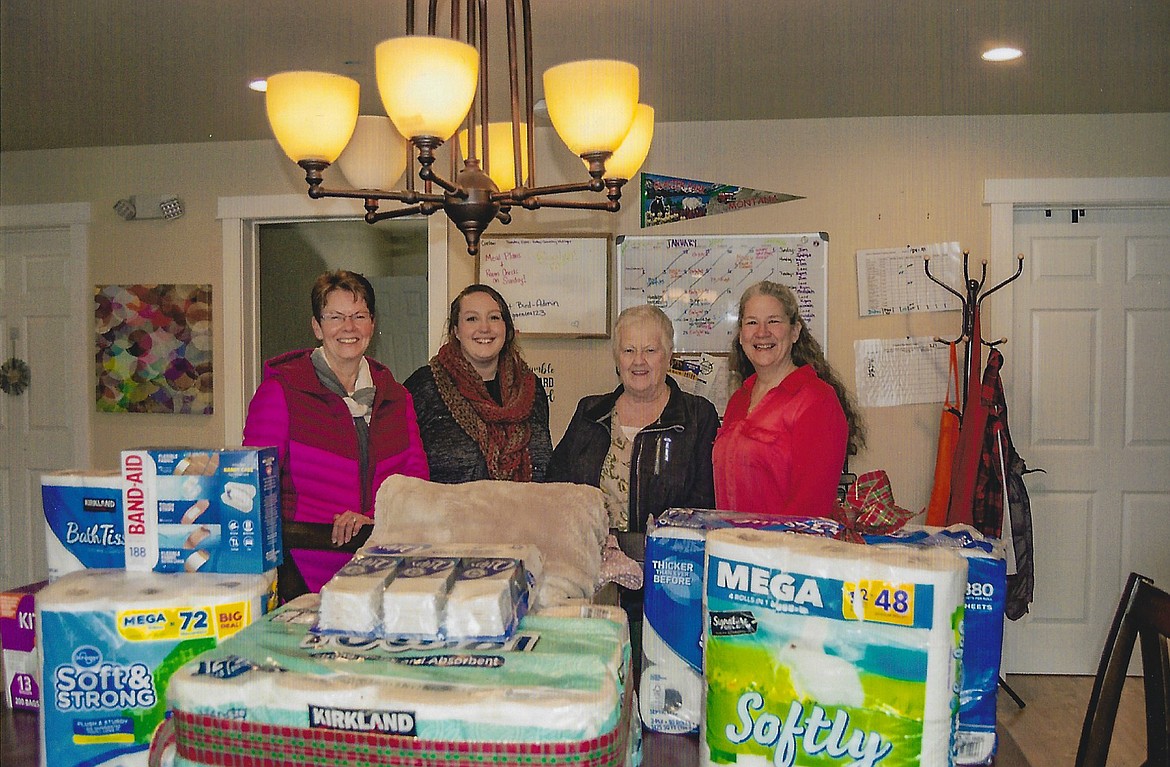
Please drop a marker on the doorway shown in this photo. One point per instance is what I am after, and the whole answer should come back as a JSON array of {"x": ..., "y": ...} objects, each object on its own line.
[
  {"x": 46, "y": 322},
  {"x": 1088, "y": 357},
  {"x": 392, "y": 256},
  {"x": 241, "y": 218}
]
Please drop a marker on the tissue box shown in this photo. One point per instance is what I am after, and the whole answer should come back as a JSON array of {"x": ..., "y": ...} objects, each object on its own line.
[
  {"x": 188, "y": 510},
  {"x": 111, "y": 639},
  {"x": 18, "y": 643},
  {"x": 83, "y": 520},
  {"x": 671, "y": 685},
  {"x": 975, "y": 739}
]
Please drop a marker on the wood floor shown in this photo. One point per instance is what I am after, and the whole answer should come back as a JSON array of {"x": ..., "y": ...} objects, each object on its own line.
[{"x": 1048, "y": 728}]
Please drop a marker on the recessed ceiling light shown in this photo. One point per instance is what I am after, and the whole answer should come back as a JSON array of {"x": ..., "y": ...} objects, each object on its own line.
[
  {"x": 1002, "y": 54},
  {"x": 260, "y": 85}
]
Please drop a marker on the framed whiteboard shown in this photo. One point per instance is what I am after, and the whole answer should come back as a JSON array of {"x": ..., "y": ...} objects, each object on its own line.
[
  {"x": 554, "y": 285},
  {"x": 698, "y": 280}
]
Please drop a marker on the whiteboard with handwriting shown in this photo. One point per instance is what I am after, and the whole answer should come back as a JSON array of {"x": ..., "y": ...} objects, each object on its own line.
[
  {"x": 697, "y": 280},
  {"x": 553, "y": 285}
]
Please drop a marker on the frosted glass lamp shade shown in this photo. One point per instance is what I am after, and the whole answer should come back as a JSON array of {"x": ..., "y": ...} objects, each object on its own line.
[
  {"x": 312, "y": 114},
  {"x": 501, "y": 164},
  {"x": 427, "y": 83},
  {"x": 591, "y": 103},
  {"x": 628, "y": 157},
  {"x": 376, "y": 155}
]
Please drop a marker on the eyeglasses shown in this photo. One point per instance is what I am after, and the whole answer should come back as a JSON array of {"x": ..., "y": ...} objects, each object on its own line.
[{"x": 359, "y": 318}]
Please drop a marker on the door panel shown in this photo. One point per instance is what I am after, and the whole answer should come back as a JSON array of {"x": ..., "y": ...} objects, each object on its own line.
[{"x": 1092, "y": 355}]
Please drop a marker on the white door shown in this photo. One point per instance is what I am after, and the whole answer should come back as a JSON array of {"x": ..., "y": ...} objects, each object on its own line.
[
  {"x": 42, "y": 271},
  {"x": 1091, "y": 350},
  {"x": 401, "y": 338}
]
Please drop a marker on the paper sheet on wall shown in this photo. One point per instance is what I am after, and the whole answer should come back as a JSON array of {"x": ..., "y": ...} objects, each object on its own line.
[
  {"x": 894, "y": 281},
  {"x": 703, "y": 374},
  {"x": 904, "y": 371}
]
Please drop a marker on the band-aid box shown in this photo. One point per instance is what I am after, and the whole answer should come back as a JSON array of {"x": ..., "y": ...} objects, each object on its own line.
[{"x": 200, "y": 510}]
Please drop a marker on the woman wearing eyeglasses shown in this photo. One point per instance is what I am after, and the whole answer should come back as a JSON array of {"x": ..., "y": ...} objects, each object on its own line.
[
  {"x": 482, "y": 412},
  {"x": 340, "y": 421}
]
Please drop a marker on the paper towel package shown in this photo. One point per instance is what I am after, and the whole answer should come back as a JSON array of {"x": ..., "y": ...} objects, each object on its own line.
[
  {"x": 670, "y": 692},
  {"x": 19, "y": 652},
  {"x": 83, "y": 520},
  {"x": 213, "y": 511},
  {"x": 827, "y": 652},
  {"x": 110, "y": 641},
  {"x": 975, "y": 739},
  {"x": 555, "y": 690},
  {"x": 423, "y": 594}
]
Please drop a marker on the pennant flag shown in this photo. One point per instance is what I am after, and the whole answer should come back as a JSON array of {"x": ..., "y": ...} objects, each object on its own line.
[{"x": 666, "y": 199}]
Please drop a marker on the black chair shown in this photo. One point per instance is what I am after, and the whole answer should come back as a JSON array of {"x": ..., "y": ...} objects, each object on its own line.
[
  {"x": 308, "y": 535},
  {"x": 1143, "y": 617}
]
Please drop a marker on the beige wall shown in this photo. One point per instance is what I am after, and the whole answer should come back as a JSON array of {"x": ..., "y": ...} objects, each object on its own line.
[{"x": 869, "y": 183}]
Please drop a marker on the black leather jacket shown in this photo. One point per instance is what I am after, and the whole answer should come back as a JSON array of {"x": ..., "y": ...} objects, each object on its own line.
[{"x": 671, "y": 461}]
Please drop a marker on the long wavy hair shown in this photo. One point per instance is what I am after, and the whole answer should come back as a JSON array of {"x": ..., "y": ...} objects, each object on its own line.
[{"x": 806, "y": 351}]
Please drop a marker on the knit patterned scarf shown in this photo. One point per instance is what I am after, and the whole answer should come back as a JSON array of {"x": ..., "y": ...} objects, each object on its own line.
[{"x": 501, "y": 431}]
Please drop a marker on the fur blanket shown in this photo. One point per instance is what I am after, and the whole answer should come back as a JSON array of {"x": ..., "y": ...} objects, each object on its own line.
[{"x": 566, "y": 522}]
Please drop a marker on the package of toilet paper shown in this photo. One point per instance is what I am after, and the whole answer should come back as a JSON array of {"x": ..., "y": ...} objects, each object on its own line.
[
  {"x": 83, "y": 520},
  {"x": 212, "y": 511},
  {"x": 277, "y": 691},
  {"x": 975, "y": 738},
  {"x": 384, "y": 591},
  {"x": 824, "y": 652},
  {"x": 110, "y": 641},
  {"x": 670, "y": 691}
]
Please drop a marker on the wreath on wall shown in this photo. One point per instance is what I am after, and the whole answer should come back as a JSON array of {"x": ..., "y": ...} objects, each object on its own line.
[{"x": 14, "y": 376}]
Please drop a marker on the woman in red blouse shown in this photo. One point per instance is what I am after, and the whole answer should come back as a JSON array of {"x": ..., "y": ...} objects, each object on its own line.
[{"x": 787, "y": 429}]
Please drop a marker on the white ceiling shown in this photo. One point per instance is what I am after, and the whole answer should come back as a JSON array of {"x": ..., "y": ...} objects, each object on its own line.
[{"x": 124, "y": 72}]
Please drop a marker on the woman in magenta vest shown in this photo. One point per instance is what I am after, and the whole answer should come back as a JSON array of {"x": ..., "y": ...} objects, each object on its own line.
[{"x": 341, "y": 422}]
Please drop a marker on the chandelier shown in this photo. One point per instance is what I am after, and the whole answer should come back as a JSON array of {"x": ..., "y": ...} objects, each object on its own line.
[{"x": 430, "y": 86}]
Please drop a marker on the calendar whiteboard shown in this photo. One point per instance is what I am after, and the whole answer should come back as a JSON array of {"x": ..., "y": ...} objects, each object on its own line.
[{"x": 698, "y": 280}]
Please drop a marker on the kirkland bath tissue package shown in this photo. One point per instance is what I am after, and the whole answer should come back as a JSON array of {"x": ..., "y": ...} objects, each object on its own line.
[
  {"x": 670, "y": 692},
  {"x": 831, "y": 653},
  {"x": 212, "y": 511},
  {"x": 83, "y": 520},
  {"x": 554, "y": 691},
  {"x": 975, "y": 740},
  {"x": 110, "y": 641}
]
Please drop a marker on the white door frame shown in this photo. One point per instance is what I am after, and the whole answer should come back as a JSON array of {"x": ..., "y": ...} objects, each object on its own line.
[
  {"x": 238, "y": 296},
  {"x": 79, "y": 345}
]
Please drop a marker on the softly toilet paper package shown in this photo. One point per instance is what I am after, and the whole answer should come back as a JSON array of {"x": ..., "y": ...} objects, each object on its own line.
[
  {"x": 83, "y": 520},
  {"x": 214, "y": 511},
  {"x": 670, "y": 692},
  {"x": 830, "y": 653},
  {"x": 975, "y": 739},
  {"x": 111, "y": 639},
  {"x": 279, "y": 691}
]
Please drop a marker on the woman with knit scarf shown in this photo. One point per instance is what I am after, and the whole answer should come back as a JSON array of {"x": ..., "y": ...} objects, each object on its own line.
[{"x": 482, "y": 412}]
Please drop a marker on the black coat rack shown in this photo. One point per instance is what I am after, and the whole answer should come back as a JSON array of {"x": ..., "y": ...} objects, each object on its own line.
[
  {"x": 973, "y": 343},
  {"x": 971, "y": 301}
]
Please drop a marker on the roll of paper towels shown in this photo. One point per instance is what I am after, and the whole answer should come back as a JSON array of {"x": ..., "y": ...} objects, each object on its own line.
[
  {"x": 110, "y": 641},
  {"x": 816, "y": 648}
]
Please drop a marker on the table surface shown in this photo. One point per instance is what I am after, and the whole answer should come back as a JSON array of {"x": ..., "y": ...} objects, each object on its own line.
[{"x": 20, "y": 742}]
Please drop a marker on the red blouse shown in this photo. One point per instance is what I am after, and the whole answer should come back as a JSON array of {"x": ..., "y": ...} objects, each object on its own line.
[{"x": 784, "y": 457}]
